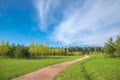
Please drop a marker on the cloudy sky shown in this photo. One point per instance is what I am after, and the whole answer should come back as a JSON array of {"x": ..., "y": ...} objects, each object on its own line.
[{"x": 60, "y": 22}]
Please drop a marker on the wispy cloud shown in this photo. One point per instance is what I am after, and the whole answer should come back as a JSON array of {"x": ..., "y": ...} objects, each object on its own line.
[
  {"x": 92, "y": 23},
  {"x": 45, "y": 9},
  {"x": 87, "y": 22}
]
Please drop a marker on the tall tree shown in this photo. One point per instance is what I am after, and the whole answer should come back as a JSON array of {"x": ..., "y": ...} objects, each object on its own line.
[
  {"x": 117, "y": 47},
  {"x": 4, "y": 48},
  {"x": 31, "y": 49},
  {"x": 109, "y": 48},
  {"x": 7, "y": 48}
]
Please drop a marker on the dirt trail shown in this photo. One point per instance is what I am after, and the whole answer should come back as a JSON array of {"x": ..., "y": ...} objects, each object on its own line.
[{"x": 49, "y": 72}]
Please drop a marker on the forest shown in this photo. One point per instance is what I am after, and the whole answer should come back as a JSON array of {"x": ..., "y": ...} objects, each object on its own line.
[{"x": 110, "y": 49}]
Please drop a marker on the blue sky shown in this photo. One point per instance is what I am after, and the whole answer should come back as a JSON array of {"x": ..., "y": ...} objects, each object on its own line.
[{"x": 60, "y": 22}]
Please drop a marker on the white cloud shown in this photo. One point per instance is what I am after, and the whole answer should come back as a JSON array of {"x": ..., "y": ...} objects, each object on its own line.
[
  {"x": 92, "y": 23},
  {"x": 44, "y": 8}
]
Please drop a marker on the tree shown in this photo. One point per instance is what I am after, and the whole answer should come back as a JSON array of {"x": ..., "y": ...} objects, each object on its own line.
[
  {"x": 66, "y": 51},
  {"x": 31, "y": 49},
  {"x": 0, "y": 47},
  {"x": 21, "y": 51},
  {"x": 11, "y": 50},
  {"x": 117, "y": 46},
  {"x": 4, "y": 48},
  {"x": 109, "y": 48}
]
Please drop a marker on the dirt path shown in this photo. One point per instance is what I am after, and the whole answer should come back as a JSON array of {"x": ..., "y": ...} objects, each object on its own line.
[{"x": 49, "y": 72}]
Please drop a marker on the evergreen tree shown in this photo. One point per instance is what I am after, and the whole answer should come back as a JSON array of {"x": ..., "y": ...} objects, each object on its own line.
[
  {"x": 117, "y": 46},
  {"x": 109, "y": 48}
]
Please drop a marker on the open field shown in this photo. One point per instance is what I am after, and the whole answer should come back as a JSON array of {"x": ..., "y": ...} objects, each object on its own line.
[
  {"x": 59, "y": 39},
  {"x": 97, "y": 67},
  {"x": 10, "y": 68}
]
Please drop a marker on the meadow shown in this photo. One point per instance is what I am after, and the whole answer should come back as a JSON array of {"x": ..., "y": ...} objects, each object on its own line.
[
  {"x": 97, "y": 67},
  {"x": 10, "y": 67}
]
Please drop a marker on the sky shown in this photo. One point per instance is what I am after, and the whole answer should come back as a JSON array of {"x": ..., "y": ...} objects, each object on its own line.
[{"x": 59, "y": 22}]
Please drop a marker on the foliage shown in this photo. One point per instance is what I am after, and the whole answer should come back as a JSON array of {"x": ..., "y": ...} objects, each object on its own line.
[
  {"x": 109, "y": 48},
  {"x": 42, "y": 50},
  {"x": 117, "y": 46},
  {"x": 38, "y": 49},
  {"x": 7, "y": 50},
  {"x": 21, "y": 51},
  {"x": 112, "y": 49},
  {"x": 4, "y": 48},
  {"x": 84, "y": 50}
]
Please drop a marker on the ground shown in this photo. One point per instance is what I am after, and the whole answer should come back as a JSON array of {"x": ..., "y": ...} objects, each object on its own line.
[{"x": 49, "y": 72}]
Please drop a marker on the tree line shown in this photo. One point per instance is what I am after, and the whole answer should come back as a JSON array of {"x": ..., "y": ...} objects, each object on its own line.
[
  {"x": 112, "y": 48},
  {"x": 41, "y": 50},
  {"x": 18, "y": 51}
]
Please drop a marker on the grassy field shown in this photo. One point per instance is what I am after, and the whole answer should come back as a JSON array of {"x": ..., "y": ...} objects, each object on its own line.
[
  {"x": 97, "y": 67},
  {"x": 10, "y": 68}
]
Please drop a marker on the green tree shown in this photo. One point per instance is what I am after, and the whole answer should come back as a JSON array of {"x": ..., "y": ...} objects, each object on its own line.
[
  {"x": 0, "y": 47},
  {"x": 4, "y": 48},
  {"x": 11, "y": 51},
  {"x": 31, "y": 49},
  {"x": 109, "y": 48},
  {"x": 21, "y": 51},
  {"x": 117, "y": 46}
]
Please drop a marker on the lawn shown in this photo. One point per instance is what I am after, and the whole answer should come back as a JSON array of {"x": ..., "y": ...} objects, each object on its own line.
[
  {"x": 97, "y": 67},
  {"x": 10, "y": 68}
]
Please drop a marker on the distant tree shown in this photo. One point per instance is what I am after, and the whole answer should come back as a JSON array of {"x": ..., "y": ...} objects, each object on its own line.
[
  {"x": 86, "y": 50},
  {"x": 17, "y": 51},
  {"x": 21, "y": 51},
  {"x": 31, "y": 49},
  {"x": 0, "y": 48},
  {"x": 11, "y": 50},
  {"x": 66, "y": 51},
  {"x": 71, "y": 50},
  {"x": 4, "y": 48},
  {"x": 98, "y": 49}
]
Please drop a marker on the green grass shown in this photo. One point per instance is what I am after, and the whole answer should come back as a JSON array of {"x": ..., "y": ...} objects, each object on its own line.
[
  {"x": 10, "y": 68},
  {"x": 97, "y": 67}
]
